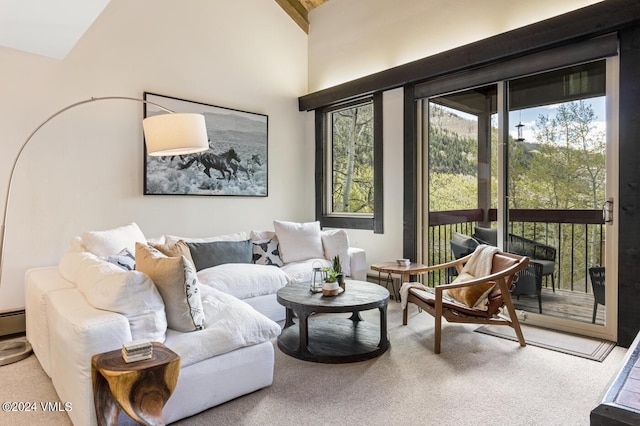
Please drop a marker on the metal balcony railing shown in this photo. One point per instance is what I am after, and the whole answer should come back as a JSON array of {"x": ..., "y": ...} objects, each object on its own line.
[{"x": 577, "y": 235}]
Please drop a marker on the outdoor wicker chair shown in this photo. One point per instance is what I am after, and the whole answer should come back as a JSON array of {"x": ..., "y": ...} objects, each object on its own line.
[
  {"x": 538, "y": 252},
  {"x": 597, "y": 284},
  {"x": 529, "y": 283}
]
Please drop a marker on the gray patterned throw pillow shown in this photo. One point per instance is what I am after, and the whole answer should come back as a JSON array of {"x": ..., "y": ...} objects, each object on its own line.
[{"x": 267, "y": 252}]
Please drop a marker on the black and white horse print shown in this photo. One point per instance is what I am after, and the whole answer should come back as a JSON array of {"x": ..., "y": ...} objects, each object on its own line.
[
  {"x": 250, "y": 169},
  {"x": 209, "y": 160}
]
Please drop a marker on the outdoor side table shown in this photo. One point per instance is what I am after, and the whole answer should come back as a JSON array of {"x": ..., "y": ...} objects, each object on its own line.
[{"x": 140, "y": 388}]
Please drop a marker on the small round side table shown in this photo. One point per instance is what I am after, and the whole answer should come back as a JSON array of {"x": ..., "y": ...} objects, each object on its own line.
[{"x": 405, "y": 273}]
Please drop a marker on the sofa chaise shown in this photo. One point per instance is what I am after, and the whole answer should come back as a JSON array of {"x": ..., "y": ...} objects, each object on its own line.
[{"x": 91, "y": 303}]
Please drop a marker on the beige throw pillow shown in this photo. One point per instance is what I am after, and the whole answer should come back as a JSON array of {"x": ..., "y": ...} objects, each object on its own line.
[
  {"x": 177, "y": 249},
  {"x": 177, "y": 283},
  {"x": 474, "y": 296}
]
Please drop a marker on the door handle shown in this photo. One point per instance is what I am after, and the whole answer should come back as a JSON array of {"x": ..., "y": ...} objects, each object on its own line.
[{"x": 607, "y": 211}]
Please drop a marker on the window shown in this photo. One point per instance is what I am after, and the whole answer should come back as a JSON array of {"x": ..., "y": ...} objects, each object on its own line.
[{"x": 349, "y": 165}]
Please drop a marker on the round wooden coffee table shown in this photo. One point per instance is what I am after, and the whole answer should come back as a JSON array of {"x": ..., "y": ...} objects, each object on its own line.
[{"x": 331, "y": 339}]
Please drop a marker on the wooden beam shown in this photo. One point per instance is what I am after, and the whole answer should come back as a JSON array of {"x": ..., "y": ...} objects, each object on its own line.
[{"x": 297, "y": 12}]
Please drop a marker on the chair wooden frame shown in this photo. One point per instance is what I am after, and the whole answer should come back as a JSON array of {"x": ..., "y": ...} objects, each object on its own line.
[{"x": 505, "y": 267}]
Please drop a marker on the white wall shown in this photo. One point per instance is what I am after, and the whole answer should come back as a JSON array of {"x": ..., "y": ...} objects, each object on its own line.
[
  {"x": 83, "y": 171},
  {"x": 354, "y": 38},
  {"x": 349, "y": 39}
]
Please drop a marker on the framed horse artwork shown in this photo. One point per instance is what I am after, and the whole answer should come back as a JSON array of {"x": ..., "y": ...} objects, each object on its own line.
[{"x": 235, "y": 164}]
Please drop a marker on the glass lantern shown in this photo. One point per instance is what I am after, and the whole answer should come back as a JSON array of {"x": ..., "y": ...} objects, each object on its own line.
[{"x": 317, "y": 278}]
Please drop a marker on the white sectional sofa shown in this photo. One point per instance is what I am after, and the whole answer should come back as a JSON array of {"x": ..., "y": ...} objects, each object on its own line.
[{"x": 89, "y": 305}]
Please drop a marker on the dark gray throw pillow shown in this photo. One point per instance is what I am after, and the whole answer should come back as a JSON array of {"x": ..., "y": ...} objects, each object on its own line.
[{"x": 206, "y": 255}]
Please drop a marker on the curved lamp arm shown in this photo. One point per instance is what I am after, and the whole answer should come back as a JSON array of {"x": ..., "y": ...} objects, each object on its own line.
[{"x": 166, "y": 134}]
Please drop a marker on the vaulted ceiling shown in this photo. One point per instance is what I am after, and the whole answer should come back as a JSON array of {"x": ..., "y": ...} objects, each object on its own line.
[
  {"x": 46, "y": 27},
  {"x": 299, "y": 10},
  {"x": 52, "y": 28}
]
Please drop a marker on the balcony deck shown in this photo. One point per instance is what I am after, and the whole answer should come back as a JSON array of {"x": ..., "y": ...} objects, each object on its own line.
[
  {"x": 577, "y": 235},
  {"x": 574, "y": 305}
]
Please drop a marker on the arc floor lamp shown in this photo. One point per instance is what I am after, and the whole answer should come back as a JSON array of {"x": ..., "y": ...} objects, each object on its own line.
[{"x": 164, "y": 134}]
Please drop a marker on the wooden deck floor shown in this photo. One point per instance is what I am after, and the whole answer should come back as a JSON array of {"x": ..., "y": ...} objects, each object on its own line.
[{"x": 574, "y": 305}]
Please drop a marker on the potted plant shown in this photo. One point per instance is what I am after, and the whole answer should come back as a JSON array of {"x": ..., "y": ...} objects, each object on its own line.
[
  {"x": 330, "y": 275},
  {"x": 330, "y": 287},
  {"x": 337, "y": 267}
]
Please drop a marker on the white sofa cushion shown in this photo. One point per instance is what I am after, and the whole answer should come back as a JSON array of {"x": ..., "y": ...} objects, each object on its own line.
[
  {"x": 73, "y": 262},
  {"x": 301, "y": 272},
  {"x": 336, "y": 243},
  {"x": 299, "y": 241},
  {"x": 177, "y": 282},
  {"x": 231, "y": 324},
  {"x": 112, "y": 241},
  {"x": 130, "y": 293},
  {"x": 238, "y": 236},
  {"x": 244, "y": 280}
]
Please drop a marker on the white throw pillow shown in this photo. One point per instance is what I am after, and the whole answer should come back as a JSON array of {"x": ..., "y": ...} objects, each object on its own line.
[
  {"x": 238, "y": 236},
  {"x": 261, "y": 236},
  {"x": 129, "y": 293},
  {"x": 298, "y": 241},
  {"x": 112, "y": 241},
  {"x": 336, "y": 243}
]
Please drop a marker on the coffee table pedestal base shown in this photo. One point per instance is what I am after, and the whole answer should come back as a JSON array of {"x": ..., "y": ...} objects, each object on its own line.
[{"x": 335, "y": 341}]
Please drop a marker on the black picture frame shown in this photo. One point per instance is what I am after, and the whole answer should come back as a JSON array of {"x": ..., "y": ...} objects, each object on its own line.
[{"x": 236, "y": 163}]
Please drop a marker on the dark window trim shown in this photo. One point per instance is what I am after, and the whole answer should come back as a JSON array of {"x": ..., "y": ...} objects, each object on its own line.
[
  {"x": 375, "y": 223},
  {"x": 561, "y": 57}
]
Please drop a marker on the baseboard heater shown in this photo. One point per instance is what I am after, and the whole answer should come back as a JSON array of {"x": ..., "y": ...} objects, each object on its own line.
[{"x": 12, "y": 323}]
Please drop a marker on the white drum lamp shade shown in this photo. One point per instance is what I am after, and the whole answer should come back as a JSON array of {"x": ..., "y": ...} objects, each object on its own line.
[{"x": 175, "y": 134}]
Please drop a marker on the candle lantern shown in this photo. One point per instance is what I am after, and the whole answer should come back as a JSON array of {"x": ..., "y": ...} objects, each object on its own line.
[{"x": 317, "y": 278}]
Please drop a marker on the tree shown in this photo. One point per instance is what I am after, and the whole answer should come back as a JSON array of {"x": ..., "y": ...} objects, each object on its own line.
[
  {"x": 570, "y": 167},
  {"x": 352, "y": 159}
]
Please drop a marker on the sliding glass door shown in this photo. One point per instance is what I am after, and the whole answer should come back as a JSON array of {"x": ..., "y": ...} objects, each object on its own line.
[{"x": 522, "y": 164}]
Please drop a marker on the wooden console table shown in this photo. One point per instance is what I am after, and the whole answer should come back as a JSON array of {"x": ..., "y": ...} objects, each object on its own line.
[{"x": 140, "y": 388}]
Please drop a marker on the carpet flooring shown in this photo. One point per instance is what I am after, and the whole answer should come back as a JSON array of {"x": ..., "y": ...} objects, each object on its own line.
[
  {"x": 571, "y": 344},
  {"x": 477, "y": 379}
]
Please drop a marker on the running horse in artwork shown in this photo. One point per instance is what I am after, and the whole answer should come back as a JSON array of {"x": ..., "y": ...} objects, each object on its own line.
[
  {"x": 250, "y": 169},
  {"x": 220, "y": 162}
]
